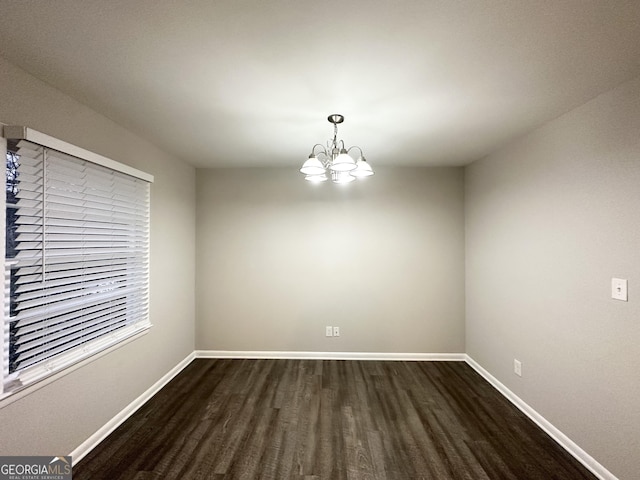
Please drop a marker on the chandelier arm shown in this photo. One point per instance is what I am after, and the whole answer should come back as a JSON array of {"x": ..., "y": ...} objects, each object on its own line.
[
  {"x": 313, "y": 150},
  {"x": 355, "y": 146},
  {"x": 324, "y": 158}
]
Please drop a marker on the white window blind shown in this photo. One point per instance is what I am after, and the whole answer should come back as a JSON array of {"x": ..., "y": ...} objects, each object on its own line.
[{"x": 77, "y": 260}]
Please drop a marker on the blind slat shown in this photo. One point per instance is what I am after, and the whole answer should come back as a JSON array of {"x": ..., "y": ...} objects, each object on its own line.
[
  {"x": 85, "y": 316},
  {"x": 33, "y": 320}
]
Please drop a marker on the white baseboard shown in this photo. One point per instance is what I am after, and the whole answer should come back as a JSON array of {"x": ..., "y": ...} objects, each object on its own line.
[
  {"x": 89, "y": 444},
  {"x": 419, "y": 357},
  {"x": 565, "y": 442}
]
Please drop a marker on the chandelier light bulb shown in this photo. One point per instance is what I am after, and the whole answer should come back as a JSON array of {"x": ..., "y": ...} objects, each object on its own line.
[
  {"x": 312, "y": 166},
  {"x": 316, "y": 178},
  {"x": 343, "y": 162},
  {"x": 363, "y": 169}
]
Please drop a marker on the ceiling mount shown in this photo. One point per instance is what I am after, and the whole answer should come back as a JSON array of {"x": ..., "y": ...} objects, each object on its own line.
[{"x": 335, "y": 161}]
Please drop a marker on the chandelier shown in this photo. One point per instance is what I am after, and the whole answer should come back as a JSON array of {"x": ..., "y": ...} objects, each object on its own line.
[{"x": 334, "y": 160}]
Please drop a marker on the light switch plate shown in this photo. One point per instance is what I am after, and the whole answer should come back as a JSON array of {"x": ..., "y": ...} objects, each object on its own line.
[{"x": 619, "y": 289}]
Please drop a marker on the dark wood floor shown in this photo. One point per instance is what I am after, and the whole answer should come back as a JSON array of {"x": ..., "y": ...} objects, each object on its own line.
[{"x": 313, "y": 419}]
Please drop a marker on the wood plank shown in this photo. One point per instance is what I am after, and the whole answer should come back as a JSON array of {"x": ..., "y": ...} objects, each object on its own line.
[{"x": 325, "y": 420}]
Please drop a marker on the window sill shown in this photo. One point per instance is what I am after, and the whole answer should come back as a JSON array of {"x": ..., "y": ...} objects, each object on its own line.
[{"x": 10, "y": 397}]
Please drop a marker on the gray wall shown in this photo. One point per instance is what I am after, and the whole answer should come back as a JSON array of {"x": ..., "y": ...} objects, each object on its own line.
[
  {"x": 279, "y": 258},
  {"x": 550, "y": 219},
  {"x": 60, "y": 416}
]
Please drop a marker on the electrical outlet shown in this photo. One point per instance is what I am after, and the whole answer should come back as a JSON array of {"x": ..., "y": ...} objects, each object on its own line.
[
  {"x": 336, "y": 331},
  {"x": 328, "y": 331},
  {"x": 517, "y": 367}
]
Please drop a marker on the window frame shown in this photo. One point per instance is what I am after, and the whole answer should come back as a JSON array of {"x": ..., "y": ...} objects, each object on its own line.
[{"x": 75, "y": 361}]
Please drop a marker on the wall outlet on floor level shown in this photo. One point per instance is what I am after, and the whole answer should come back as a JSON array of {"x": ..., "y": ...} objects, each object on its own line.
[
  {"x": 328, "y": 331},
  {"x": 336, "y": 331},
  {"x": 517, "y": 367}
]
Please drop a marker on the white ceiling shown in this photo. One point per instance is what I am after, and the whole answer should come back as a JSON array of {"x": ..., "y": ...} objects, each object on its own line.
[{"x": 250, "y": 82}]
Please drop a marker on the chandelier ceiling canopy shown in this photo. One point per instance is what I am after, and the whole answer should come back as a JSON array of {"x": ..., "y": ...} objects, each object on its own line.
[{"x": 334, "y": 161}]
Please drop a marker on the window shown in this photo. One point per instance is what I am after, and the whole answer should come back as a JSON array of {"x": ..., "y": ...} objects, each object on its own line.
[{"x": 76, "y": 257}]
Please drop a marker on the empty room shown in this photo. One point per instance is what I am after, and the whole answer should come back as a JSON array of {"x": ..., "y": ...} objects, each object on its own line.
[{"x": 320, "y": 240}]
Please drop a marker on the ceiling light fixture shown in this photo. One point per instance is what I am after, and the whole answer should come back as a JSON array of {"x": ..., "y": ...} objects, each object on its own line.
[{"x": 335, "y": 162}]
